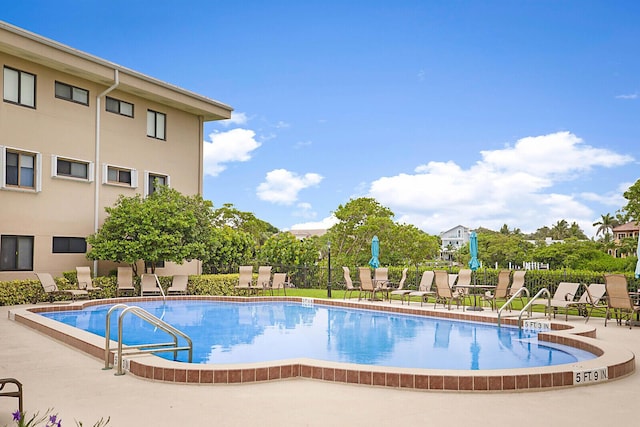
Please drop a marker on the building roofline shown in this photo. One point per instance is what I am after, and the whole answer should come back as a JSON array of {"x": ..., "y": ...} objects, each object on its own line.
[{"x": 208, "y": 108}]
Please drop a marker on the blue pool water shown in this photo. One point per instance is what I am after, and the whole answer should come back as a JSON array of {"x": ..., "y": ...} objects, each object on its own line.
[{"x": 226, "y": 332}]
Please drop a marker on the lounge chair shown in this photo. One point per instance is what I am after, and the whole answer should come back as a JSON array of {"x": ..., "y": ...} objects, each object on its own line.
[
  {"x": 589, "y": 300},
  {"x": 366, "y": 284},
  {"x": 381, "y": 280},
  {"x": 178, "y": 285},
  {"x": 51, "y": 288},
  {"x": 444, "y": 294},
  {"x": 150, "y": 285},
  {"x": 463, "y": 284},
  {"x": 245, "y": 278},
  {"x": 279, "y": 282},
  {"x": 619, "y": 303},
  {"x": 400, "y": 290},
  {"x": 264, "y": 279},
  {"x": 564, "y": 295},
  {"x": 84, "y": 280},
  {"x": 424, "y": 288},
  {"x": 348, "y": 283},
  {"x": 516, "y": 284},
  {"x": 501, "y": 292},
  {"x": 12, "y": 393},
  {"x": 125, "y": 281}
]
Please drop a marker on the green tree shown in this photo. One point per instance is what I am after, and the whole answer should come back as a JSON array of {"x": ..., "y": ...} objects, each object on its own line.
[
  {"x": 605, "y": 226},
  {"x": 285, "y": 249},
  {"x": 632, "y": 209},
  {"x": 227, "y": 249},
  {"x": 165, "y": 226},
  {"x": 229, "y": 216}
]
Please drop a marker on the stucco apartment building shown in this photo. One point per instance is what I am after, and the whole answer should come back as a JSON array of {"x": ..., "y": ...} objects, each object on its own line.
[{"x": 76, "y": 132}]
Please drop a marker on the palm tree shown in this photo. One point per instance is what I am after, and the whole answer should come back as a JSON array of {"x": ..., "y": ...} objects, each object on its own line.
[
  {"x": 560, "y": 230},
  {"x": 605, "y": 225}
]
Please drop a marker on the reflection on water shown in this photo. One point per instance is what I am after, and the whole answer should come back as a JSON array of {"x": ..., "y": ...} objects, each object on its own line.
[{"x": 252, "y": 332}]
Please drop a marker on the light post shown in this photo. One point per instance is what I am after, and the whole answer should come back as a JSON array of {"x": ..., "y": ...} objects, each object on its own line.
[{"x": 329, "y": 269}]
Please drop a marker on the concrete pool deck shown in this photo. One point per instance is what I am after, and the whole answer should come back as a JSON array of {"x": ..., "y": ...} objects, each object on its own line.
[{"x": 74, "y": 384}]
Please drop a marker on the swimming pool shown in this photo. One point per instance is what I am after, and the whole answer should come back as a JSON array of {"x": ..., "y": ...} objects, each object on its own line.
[
  {"x": 612, "y": 361},
  {"x": 232, "y": 332}
]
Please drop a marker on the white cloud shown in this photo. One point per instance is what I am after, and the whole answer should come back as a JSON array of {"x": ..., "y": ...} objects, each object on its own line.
[
  {"x": 628, "y": 96},
  {"x": 323, "y": 224},
  {"x": 508, "y": 186},
  {"x": 237, "y": 119},
  {"x": 282, "y": 186},
  {"x": 304, "y": 210},
  {"x": 235, "y": 145}
]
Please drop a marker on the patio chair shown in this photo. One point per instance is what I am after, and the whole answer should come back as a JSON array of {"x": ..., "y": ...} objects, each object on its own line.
[
  {"x": 51, "y": 288},
  {"x": 124, "y": 283},
  {"x": 400, "y": 290},
  {"x": 84, "y": 280},
  {"x": 264, "y": 279},
  {"x": 589, "y": 300},
  {"x": 12, "y": 393},
  {"x": 348, "y": 283},
  {"x": 366, "y": 284},
  {"x": 381, "y": 280},
  {"x": 501, "y": 292},
  {"x": 564, "y": 295},
  {"x": 444, "y": 294},
  {"x": 424, "y": 288},
  {"x": 619, "y": 303},
  {"x": 150, "y": 285},
  {"x": 516, "y": 284},
  {"x": 179, "y": 284},
  {"x": 279, "y": 282},
  {"x": 463, "y": 284},
  {"x": 245, "y": 279}
]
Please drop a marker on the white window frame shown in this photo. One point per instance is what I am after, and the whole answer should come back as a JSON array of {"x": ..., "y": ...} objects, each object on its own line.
[
  {"x": 54, "y": 169},
  {"x": 105, "y": 176},
  {"x": 37, "y": 174},
  {"x": 147, "y": 179}
]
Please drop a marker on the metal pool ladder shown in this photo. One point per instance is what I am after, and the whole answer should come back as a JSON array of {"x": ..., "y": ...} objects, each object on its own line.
[{"x": 142, "y": 348}]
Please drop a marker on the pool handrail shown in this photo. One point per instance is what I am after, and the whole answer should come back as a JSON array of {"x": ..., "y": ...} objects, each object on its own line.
[
  {"x": 144, "y": 348},
  {"x": 531, "y": 301},
  {"x": 510, "y": 300}
]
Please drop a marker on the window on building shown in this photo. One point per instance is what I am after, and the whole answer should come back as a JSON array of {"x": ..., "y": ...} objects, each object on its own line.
[
  {"x": 16, "y": 253},
  {"x": 19, "y": 87},
  {"x": 72, "y": 93},
  {"x": 19, "y": 169},
  {"x": 119, "y": 176},
  {"x": 69, "y": 245},
  {"x": 156, "y": 124},
  {"x": 71, "y": 168},
  {"x": 119, "y": 107},
  {"x": 154, "y": 181}
]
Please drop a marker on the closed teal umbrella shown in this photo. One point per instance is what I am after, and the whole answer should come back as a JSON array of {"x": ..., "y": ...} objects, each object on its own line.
[
  {"x": 374, "y": 262},
  {"x": 474, "y": 264}
]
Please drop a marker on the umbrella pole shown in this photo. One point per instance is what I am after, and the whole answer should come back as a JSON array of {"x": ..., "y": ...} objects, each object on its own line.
[{"x": 475, "y": 296}]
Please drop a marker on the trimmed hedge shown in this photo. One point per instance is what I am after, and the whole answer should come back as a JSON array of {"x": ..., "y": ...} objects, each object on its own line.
[{"x": 30, "y": 291}]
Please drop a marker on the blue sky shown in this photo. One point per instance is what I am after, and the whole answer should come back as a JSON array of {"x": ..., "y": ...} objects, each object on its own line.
[{"x": 479, "y": 113}]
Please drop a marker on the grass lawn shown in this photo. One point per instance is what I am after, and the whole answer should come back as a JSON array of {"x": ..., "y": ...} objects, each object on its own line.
[{"x": 339, "y": 294}]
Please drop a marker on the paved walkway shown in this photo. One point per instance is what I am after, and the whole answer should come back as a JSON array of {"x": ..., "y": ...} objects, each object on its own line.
[{"x": 59, "y": 377}]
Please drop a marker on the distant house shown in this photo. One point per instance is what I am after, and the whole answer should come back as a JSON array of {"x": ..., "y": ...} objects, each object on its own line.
[
  {"x": 303, "y": 234},
  {"x": 454, "y": 239},
  {"x": 630, "y": 229}
]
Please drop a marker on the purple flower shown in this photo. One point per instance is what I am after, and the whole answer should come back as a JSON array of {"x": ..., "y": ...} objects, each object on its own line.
[
  {"x": 55, "y": 422},
  {"x": 17, "y": 416}
]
